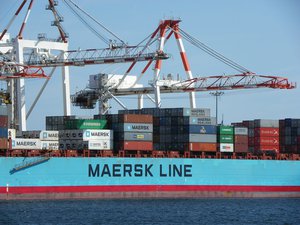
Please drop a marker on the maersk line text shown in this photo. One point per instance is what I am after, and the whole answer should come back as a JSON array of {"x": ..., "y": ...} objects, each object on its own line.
[{"x": 139, "y": 170}]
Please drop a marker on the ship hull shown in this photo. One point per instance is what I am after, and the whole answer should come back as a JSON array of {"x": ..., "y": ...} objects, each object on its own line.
[{"x": 61, "y": 178}]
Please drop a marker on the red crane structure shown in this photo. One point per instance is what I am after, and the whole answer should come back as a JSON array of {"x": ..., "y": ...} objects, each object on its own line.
[
  {"x": 11, "y": 70},
  {"x": 246, "y": 79}
]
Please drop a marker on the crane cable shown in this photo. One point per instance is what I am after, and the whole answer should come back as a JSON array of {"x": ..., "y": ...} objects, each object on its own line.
[
  {"x": 92, "y": 18},
  {"x": 104, "y": 39},
  {"x": 212, "y": 52}
]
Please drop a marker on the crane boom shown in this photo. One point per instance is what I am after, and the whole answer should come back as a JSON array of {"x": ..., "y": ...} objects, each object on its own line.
[
  {"x": 12, "y": 70},
  {"x": 96, "y": 56},
  {"x": 87, "y": 98}
]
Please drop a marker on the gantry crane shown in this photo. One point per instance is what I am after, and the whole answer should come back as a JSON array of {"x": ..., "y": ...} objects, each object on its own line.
[
  {"x": 41, "y": 55},
  {"x": 246, "y": 79},
  {"x": 10, "y": 72}
]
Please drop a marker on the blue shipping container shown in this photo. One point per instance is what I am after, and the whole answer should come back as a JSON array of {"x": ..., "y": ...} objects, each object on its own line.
[
  {"x": 201, "y": 129},
  {"x": 3, "y": 132}
]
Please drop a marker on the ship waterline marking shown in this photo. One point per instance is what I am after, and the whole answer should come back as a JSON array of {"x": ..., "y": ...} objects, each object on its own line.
[{"x": 139, "y": 170}]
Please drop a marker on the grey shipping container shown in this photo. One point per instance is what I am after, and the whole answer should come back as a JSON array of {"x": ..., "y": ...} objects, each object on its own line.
[
  {"x": 137, "y": 127},
  {"x": 196, "y": 112},
  {"x": 241, "y": 131},
  {"x": 132, "y": 136},
  {"x": 266, "y": 123},
  {"x": 203, "y": 120},
  {"x": 203, "y": 138}
]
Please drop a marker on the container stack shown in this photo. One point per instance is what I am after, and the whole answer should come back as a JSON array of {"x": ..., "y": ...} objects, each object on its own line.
[
  {"x": 57, "y": 122},
  {"x": 266, "y": 135},
  {"x": 241, "y": 139},
  {"x": 225, "y": 138},
  {"x": 49, "y": 140},
  {"x": 289, "y": 130},
  {"x": 132, "y": 132},
  {"x": 202, "y": 138},
  {"x": 3, "y": 132},
  {"x": 39, "y": 140},
  {"x": 81, "y": 134},
  {"x": 181, "y": 129}
]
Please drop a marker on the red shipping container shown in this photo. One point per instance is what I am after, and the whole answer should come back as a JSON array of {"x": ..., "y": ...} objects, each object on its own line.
[
  {"x": 136, "y": 145},
  {"x": 241, "y": 148},
  {"x": 266, "y": 132},
  {"x": 266, "y": 141},
  {"x": 203, "y": 147},
  {"x": 135, "y": 118},
  {"x": 241, "y": 139},
  {"x": 3, "y": 121},
  {"x": 267, "y": 148}
]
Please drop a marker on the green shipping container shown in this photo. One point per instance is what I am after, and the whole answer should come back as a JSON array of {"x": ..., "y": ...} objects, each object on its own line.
[
  {"x": 227, "y": 130},
  {"x": 225, "y": 139},
  {"x": 85, "y": 124}
]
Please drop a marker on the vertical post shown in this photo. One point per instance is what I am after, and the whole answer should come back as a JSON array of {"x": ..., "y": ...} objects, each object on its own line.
[
  {"x": 185, "y": 62},
  {"x": 66, "y": 89},
  {"x": 20, "y": 106},
  {"x": 140, "y": 101},
  {"x": 217, "y": 94},
  {"x": 157, "y": 68}
]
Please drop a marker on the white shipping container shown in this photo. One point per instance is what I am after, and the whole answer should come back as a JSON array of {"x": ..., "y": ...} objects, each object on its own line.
[
  {"x": 50, "y": 145},
  {"x": 11, "y": 133},
  {"x": 101, "y": 145},
  {"x": 97, "y": 135},
  {"x": 226, "y": 147},
  {"x": 46, "y": 135},
  {"x": 26, "y": 143}
]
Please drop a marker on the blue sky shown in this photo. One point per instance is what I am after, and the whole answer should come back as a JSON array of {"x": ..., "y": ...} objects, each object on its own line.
[{"x": 261, "y": 35}]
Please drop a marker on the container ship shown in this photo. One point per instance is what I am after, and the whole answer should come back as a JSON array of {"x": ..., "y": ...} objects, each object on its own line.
[
  {"x": 151, "y": 153},
  {"x": 139, "y": 153}
]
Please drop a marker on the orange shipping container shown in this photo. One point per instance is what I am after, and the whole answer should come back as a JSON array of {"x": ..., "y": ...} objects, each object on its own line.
[
  {"x": 3, "y": 143},
  {"x": 135, "y": 118},
  {"x": 204, "y": 147},
  {"x": 136, "y": 145}
]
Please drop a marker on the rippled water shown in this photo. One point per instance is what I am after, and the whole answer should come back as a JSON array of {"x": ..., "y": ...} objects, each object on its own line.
[{"x": 158, "y": 211}]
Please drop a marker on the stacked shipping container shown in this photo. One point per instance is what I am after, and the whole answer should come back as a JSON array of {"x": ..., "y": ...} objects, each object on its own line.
[
  {"x": 241, "y": 139},
  {"x": 266, "y": 135},
  {"x": 81, "y": 134},
  {"x": 181, "y": 129},
  {"x": 3, "y": 128},
  {"x": 289, "y": 136},
  {"x": 132, "y": 132},
  {"x": 225, "y": 138},
  {"x": 263, "y": 135}
]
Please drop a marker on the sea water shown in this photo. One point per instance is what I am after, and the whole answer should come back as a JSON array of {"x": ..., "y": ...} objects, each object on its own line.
[{"x": 154, "y": 211}]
